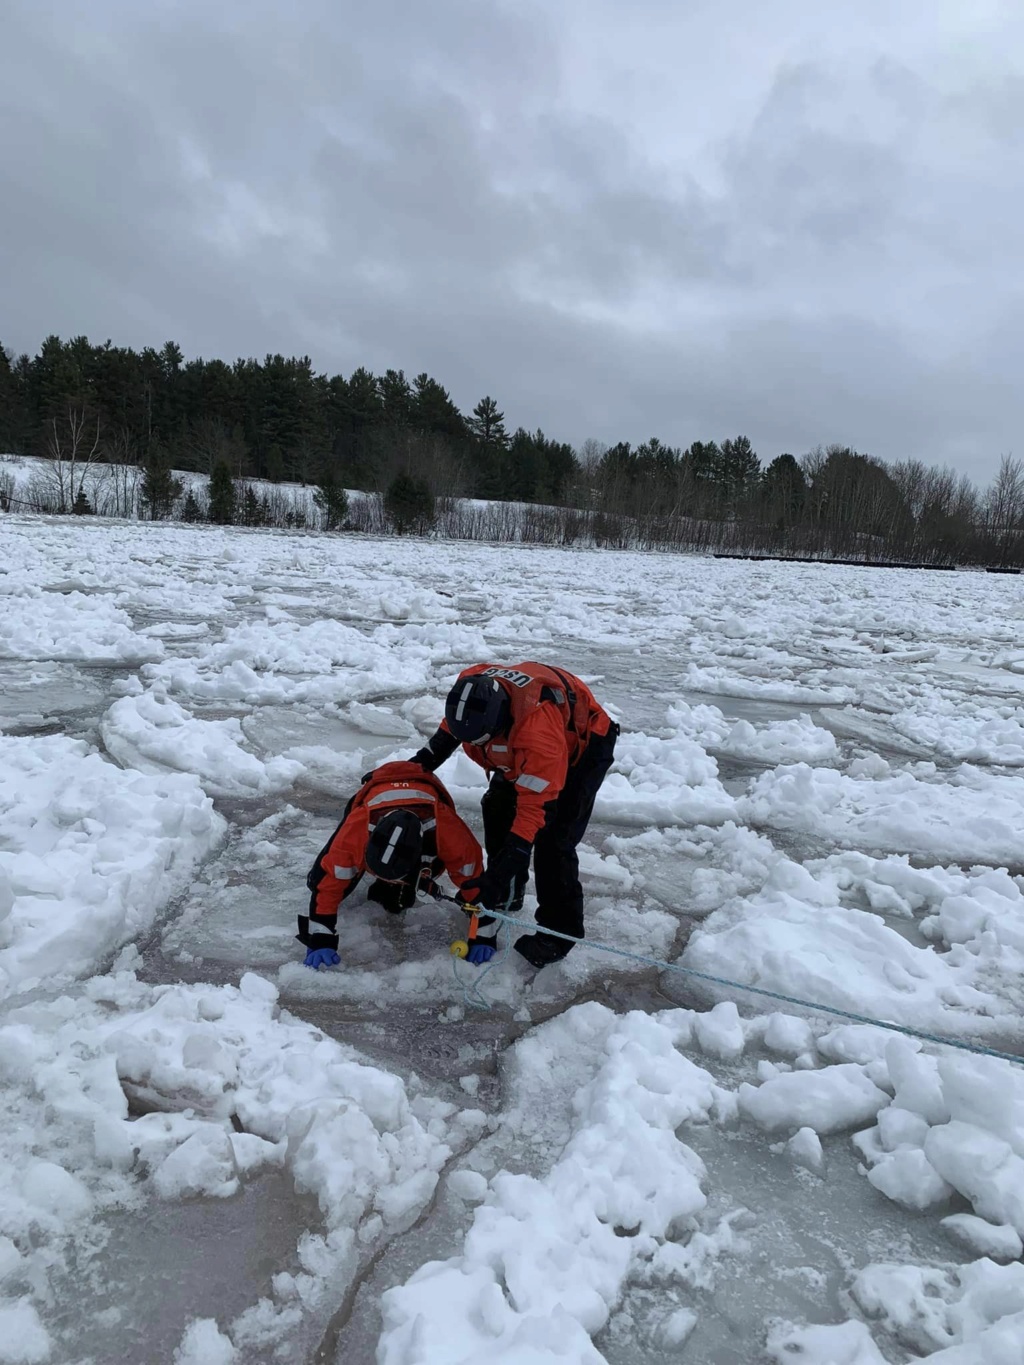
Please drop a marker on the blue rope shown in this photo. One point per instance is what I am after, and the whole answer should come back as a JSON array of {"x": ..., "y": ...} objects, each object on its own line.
[
  {"x": 814, "y": 1007},
  {"x": 472, "y": 996}
]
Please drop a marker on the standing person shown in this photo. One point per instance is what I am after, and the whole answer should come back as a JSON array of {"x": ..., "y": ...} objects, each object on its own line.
[
  {"x": 400, "y": 827},
  {"x": 546, "y": 745}
]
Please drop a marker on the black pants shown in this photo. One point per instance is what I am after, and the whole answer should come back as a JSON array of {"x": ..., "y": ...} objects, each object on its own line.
[{"x": 556, "y": 866}]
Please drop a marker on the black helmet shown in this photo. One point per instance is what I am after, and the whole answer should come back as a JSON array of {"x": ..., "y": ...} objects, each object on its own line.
[
  {"x": 395, "y": 845},
  {"x": 477, "y": 709}
]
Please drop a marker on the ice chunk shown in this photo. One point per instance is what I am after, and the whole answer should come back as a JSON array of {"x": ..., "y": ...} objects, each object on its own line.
[
  {"x": 468, "y": 1185},
  {"x": 720, "y": 1031},
  {"x": 999, "y": 1242},
  {"x": 848, "y": 1343},
  {"x": 982, "y": 1167},
  {"x": 788, "y": 1034},
  {"x": 204, "y": 1344},
  {"x": 90, "y": 853},
  {"x": 804, "y": 1147},
  {"x": 153, "y": 734},
  {"x": 909, "y": 1178},
  {"x": 23, "y": 1338},
  {"x": 677, "y": 1327},
  {"x": 203, "y": 1164},
  {"x": 899, "y": 1127},
  {"x": 828, "y": 1101},
  {"x": 54, "y": 1191}
]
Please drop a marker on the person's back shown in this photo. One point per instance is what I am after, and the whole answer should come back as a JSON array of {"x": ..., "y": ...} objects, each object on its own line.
[{"x": 400, "y": 826}]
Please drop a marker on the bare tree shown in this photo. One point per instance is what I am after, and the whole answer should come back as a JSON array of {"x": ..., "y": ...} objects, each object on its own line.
[
  {"x": 117, "y": 487},
  {"x": 72, "y": 448},
  {"x": 1004, "y": 502}
]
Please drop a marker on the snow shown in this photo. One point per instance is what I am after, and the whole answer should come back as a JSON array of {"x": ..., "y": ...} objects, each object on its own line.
[
  {"x": 204, "y": 1344},
  {"x": 964, "y": 816},
  {"x": 152, "y": 733},
  {"x": 55, "y": 625},
  {"x": 817, "y": 791},
  {"x": 996, "y": 1241},
  {"x": 545, "y": 1260},
  {"x": 827, "y": 1101},
  {"x": 90, "y": 856}
]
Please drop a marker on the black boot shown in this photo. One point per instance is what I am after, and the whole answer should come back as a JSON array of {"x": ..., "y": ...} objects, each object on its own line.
[{"x": 542, "y": 949}]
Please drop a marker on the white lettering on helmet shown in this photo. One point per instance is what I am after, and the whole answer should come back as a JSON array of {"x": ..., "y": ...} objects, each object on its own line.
[{"x": 531, "y": 783}]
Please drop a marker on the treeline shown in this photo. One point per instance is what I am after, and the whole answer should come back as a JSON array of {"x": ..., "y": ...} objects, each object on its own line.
[{"x": 146, "y": 417}]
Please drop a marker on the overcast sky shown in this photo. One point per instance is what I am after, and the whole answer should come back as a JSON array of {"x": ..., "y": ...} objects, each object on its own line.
[{"x": 801, "y": 221}]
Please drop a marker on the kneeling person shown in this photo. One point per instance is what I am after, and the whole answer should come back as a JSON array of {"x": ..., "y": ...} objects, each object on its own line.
[{"x": 400, "y": 827}]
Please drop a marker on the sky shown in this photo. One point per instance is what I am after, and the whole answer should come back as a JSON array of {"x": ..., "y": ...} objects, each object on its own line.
[{"x": 796, "y": 221}]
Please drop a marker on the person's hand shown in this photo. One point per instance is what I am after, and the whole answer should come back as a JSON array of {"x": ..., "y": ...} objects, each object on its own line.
[
  {"x": 479, "y": 953},
  {"x": 321, "y": 957}
]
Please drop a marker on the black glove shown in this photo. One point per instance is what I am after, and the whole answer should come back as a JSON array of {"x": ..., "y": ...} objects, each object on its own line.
[
  {"x": 495, "y": 887},
  {"x": 393, "y": 896},
  {"x": 322, "y": 934},
  {"x": 437, "y": 750}
]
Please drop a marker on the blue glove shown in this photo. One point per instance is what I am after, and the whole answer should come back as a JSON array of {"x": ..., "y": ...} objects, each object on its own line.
[
  {"x": 480, "y": 953},
  {"x": 321, "y": 957}
]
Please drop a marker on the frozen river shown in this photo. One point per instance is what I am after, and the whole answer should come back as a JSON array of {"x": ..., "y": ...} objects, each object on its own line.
[{"x": 213, "y": 1155}]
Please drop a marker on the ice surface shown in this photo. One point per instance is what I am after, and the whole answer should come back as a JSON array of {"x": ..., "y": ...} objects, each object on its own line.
[{"x": 817, "y": 790}]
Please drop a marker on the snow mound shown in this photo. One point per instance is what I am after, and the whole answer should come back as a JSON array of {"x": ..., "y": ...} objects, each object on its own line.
[
  {"x": 957, "y": 1123},
  {"x": 79, "y": 626},
  {"x": 227, "y": 1087},
  {"x": 784, "y": 741},
  {"x": 799, "y": 937},
  {"x": 91, "y": 854},
  {"x": 657, "y": 781},
  {"x": 546, "y": 1257},
  {"x": 152, "y": 733},
  {"x": 969, "y": 816}
]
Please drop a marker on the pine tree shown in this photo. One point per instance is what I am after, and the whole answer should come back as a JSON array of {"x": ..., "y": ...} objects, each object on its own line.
[
  {"x": 332, "y": 500},
  {"x": 739, "y": 468},
  {"x": 409, "y": 504},
  {"x": 251, "y": 515},
  {"x": 160, "y": 489},
  {"x": 191, "y": 511},
  {"x": 488, "y": 424},
  {"x": 222, "y": 495}
]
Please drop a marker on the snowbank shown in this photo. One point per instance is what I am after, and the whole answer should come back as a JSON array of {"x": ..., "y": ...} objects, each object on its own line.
[
  {"x": 546, "y": 1258},
  {"x": 91, "y": 854},
  {"x": 803, "y": 934},
  {"x": 221, "y": 1087},
  {"x": 153, "y": 734},
  {"x": 967, "y": 816},
  {"x": 70, "y": 625}
]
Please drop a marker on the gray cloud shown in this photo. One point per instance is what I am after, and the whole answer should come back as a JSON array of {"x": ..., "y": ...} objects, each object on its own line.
[{"x": 796, "y": 222}]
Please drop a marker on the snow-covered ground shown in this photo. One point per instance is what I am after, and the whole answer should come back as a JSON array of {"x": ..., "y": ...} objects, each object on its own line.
[{"x": 210, "y": 1154}]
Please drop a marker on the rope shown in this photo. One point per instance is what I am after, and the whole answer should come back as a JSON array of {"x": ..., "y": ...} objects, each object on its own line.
[
  {"x": 472, "y": 996},
  {"x": 815, "y": 1007}
]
